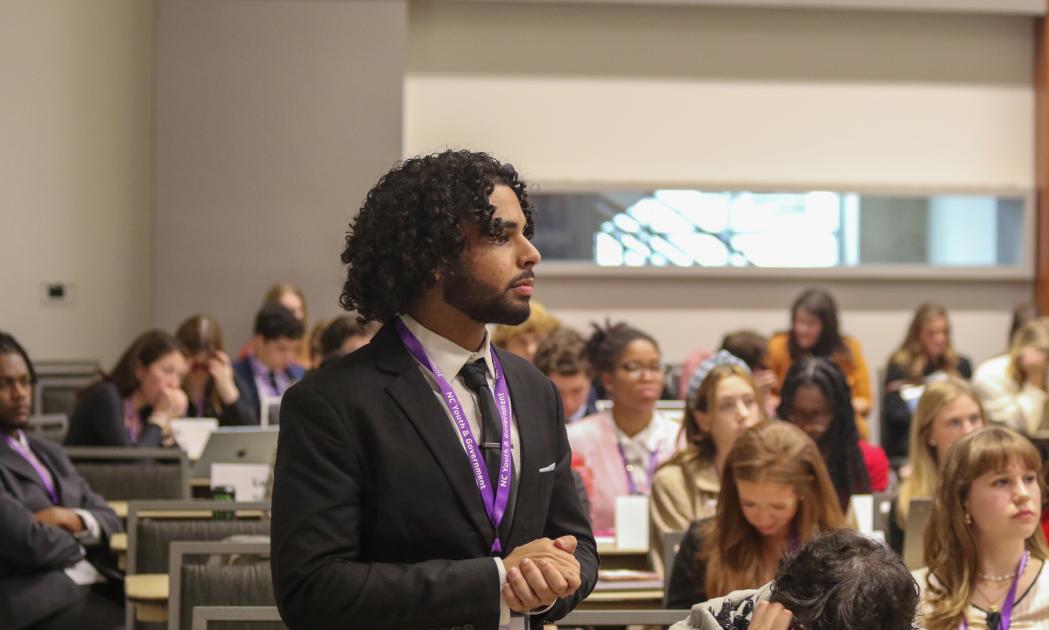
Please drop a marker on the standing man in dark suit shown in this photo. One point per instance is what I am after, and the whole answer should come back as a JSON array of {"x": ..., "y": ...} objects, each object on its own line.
[
  {"x": 270, "y": 368},
  {"x": 51, "y": 523},
  {"x": 424, "y": 481}
]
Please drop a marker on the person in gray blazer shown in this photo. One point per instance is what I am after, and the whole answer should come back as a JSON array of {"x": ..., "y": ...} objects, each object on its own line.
[{"x": 54, "y": 531}]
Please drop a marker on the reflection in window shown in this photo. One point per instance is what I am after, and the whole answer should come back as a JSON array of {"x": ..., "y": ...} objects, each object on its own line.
[{"x": 685, "y": 228}]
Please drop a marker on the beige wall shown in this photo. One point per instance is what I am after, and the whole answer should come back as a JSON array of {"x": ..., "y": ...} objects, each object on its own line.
[
  {"x": 75, "y": 159},
  {"x": 703, "y": 95},
  {"x": 585, "y": 96},
  {"x": 274, "y": 118}
]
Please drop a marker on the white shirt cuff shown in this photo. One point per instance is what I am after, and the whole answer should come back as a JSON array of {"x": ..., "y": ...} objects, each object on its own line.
[
  {"x": 92, "y": 533},
  {"x": 504, "y": 608}
]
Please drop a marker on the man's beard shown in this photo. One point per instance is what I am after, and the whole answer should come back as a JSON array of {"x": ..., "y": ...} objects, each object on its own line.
[
  {"x": 483, "y": 302},
  {"x": 10, "y": 425}
]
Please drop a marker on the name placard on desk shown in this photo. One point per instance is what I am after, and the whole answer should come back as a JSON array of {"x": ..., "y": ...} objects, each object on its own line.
[{"x": 247, "y": 480}]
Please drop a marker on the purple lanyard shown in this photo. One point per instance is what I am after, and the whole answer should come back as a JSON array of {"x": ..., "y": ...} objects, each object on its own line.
[
  {"x": 494, "y": 503},
  {"x": 1006, "y": 618},
  {"x": 132, "y": 422},
  {"x": 631, "y": 484},
  {"x": 41, "y": 471}
]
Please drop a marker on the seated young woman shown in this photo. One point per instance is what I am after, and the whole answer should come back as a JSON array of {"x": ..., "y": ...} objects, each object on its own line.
[
  {"x": 134, "y": 403},
  {"x": 984, "y": 551},
  {"x": 210, "y": 384},
  {"x": 814, "y": 332},
  {"x": 775, "y": 495},
  {"x": 1013, "y": 387},
  {"x": 816, "y": 398},
  {"x": 925, "y": 355},
  {"x": 947, "y": 411},
  {"x": 686, "y": 487},
  {"x": 620, "y": 449}
]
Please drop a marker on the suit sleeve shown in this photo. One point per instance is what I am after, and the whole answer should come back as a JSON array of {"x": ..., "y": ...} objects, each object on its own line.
[
  {"x": 240, "y": 412},
  {"x": 30, "y": 546},
  {"x": 320, "y": 580},
  {"x": 95, "y": 504},
  {"x": 566, "y": 516}
]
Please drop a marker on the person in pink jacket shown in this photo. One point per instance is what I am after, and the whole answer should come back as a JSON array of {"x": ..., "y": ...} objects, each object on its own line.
[{"x": 620, "y": 449}]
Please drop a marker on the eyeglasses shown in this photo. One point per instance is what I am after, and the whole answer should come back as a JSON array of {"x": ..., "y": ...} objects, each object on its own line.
[{"x": 635, "y": 370}]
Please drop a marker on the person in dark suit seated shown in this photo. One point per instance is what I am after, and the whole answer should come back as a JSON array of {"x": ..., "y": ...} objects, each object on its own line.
[
  {"x": 211, "y": 386},
  {"x": 135, "y": 403},
  {"x": 52, "y": 526},
  {"x": 425, "y": 480},
  {"x": 270, "y": 368}
]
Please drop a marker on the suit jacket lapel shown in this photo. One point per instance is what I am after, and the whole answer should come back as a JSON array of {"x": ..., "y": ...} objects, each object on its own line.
[
  {"x": 414, "y": 396},
  {"x": 530, "y": 416},
  {"x": 18, "y": 465}
]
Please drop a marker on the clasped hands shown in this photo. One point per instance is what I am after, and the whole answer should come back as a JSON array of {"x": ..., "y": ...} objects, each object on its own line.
[
  {"x": 61, "y": 517},
  {"x": 540, "y": 572}
]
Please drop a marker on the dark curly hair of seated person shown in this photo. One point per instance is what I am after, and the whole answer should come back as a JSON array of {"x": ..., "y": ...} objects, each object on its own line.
[
  {"x": 411, "y": 226},
  {"x": 843, "y": 580}
]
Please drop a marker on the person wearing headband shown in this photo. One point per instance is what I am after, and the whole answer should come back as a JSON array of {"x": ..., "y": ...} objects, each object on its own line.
[{"x": 724, "y": 403}]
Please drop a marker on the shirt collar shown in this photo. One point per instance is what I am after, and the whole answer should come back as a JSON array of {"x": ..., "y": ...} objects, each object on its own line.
[
  {"x": 258, "y": 368},
  {"x": 647, "y": 438},
  {"x": 446, "y": 355},
  {"x": 21, "y": 438}
]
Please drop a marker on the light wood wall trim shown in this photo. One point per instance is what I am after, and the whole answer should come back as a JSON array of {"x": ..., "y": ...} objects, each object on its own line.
[{"x": 1041, "y": 286}]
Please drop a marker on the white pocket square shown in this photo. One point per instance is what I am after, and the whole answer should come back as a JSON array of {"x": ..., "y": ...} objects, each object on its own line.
[{"x": 548, "y": 468}]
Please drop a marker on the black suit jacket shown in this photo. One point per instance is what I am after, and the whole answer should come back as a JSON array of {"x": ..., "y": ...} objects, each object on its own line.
[
  {"x": 377, "y": 521},
  {"x": 98, "y": 420},
  {"x": 32, "y": 556}
]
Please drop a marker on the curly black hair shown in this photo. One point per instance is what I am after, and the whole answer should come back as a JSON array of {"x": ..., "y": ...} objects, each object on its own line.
[
  {"x": 843, "y": 580},
  {"x": 411, "y": 226},
  {"x": 607, "y": 343},
  {"x": 840, "y": 444}
]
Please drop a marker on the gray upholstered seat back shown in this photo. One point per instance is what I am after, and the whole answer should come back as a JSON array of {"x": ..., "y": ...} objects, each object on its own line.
[
  {"x": 129, "y": 481},
  {"x": 227, "y": 585},
  {"x": 155, "y": 537}
]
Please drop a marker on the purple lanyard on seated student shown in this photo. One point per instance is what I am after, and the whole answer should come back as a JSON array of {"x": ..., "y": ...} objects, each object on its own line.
[
  {"x": 41, "y": 471},
  {"x": 1005, "y": 619},
  {"x": 629, "y": 470},
  {"x": 494, "y": 503}
]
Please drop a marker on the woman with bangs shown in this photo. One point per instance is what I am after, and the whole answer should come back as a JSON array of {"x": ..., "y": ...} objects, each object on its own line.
[
  {"x": 775, "y": 495},
  {"x": 926, "y": 355},
  {"x": 947, "y": 411},
  {"x": 1013, "y": 386},
  {"x": 984, "y": 549},
  {"x": 685, "y": 488}
]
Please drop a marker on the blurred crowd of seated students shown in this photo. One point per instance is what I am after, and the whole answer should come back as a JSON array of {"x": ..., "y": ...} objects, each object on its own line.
[{"x": 772, "y": 446}]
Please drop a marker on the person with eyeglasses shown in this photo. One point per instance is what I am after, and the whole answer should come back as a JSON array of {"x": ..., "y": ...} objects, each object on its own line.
[
  {"x": 817, "y": 399},
  {"x": 622, "y": 447}
]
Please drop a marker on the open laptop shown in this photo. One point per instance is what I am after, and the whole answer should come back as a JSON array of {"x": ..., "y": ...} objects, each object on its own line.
[
  {"x": 237, "y": 445},
  {"x": 914, "y": 536}
]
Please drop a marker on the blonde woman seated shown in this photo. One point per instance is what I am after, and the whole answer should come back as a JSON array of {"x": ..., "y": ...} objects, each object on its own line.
[
  {"x": 775, "y": 495},
  {"x": 724, "y": 404},
  {"x": 947, "y": 411},
  {"x": 1012, "y": 387},
  {"x": 984, "y": 549}
]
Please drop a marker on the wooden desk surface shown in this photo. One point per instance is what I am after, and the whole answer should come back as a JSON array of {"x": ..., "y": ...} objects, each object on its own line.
[
  {"x": 612, "y": 550},
  {"x": 118, "y": 507},
  {"x": 118, "y": 543},
  {"x": 147, "y": 587}
]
